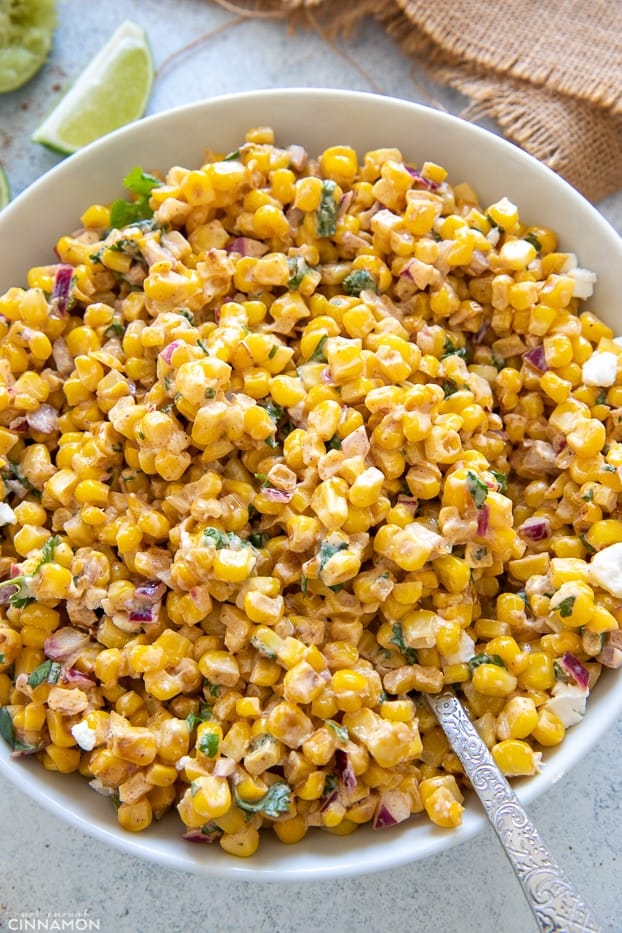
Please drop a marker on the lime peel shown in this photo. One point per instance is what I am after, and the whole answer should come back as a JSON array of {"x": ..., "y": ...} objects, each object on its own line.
[
  {"x": 26, "y": 31},
  {"x": 111, "y": 91}
]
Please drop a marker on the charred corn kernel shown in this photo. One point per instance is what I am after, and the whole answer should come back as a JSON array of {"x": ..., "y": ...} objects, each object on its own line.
[
  {"x": 135, "y": 817},
  {"x": 549, "y": 729},
  {"x": 515, "y": 757},
  {"x": 161, "y": 775}
]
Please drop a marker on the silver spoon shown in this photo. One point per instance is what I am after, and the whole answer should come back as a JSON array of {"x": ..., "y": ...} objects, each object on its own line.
[{"x": 556, "y": 904}]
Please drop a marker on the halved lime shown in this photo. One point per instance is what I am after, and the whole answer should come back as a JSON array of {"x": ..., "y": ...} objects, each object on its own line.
[
  {"x": 112, "y": 91},
  {"x": 26, "y": 30},
  {"x": 5, "y": 191}
]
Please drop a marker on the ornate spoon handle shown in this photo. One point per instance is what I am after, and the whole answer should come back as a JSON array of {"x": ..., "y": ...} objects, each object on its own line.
[{"x": 557, "y": 906}]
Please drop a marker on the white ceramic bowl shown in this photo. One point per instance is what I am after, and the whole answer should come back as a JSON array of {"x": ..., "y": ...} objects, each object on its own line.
[{"x": 316, "y": 119}]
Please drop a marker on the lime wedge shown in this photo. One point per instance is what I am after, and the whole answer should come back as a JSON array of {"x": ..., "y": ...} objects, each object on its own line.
[
  {"x": 5, "y": 191},
  {"x": 26, "y": 30},
  {"x": 112, "y": 91}
]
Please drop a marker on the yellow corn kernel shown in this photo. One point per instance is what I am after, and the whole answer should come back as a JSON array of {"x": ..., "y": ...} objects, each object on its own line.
[
  {"x": 549, "y": 729},
  {"x": 493, "y": 680},
  {"x": 242, "y": 844},
  {"x": 59, "y": 758},
  {"x": 515, "y": 757},
  {"x": 134, "y": 817},
  {"x": 539, "y": 672},
  {"x": 518, "y": 718},
  {"x": 291, "y": 831}
]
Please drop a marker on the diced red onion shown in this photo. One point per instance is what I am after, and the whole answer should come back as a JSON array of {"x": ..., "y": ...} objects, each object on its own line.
[
  {"x": 62, "y": 357},
  {"x": 344, "y": 203},
  {"x": 149, "y": 592},
  {"x": 483, "y": 519},
  {"x": 393, "y": 807},
  {"x": 69, "y": 675},
  {"x": 420, "y": 180},
  {"x": 25, "y": 752},
  {"x": 409, "y": 502},
  {"x": 195, "y": 835},
  {"x": 145, "y": 615},
  {"x": 575, "y": 669},
  {"x": 65, "y": 643},
  {"x": 344, "y": 769},
  {"x": 62, "y": 286},
  {"x": 535, "y": 529},
  {"x": 276, "y": 495},
  {"x": 5, "y": 594},
  {"x": 19, "y": 424},
  {"x": 224, "y": 767},
  {"x": 246, "y": 246},
  {"x": 536, "y": 358},
  {"x": 479, "y": 336},
  {"x": 167, "y": 353},
  {"x": 326, "y": 377},
  {"x": 329, "y": 799},
  {"x": 297, "y": 157},
  {"x": 44, "y": 420}
]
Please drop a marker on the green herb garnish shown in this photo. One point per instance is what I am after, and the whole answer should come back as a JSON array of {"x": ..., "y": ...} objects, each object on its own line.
[
  {"x": 318, "y": 354},
  {"x": 7, "y": 731},
  {"x": 478, "y": 659},
  {"x": 47, "y": 672},
  {"x": 340, "y": 731},
  {"x": 123, "y": 213},
  {"x": 275, "y": 801},
  {"x": 298, "y": 267},
  {"x": 12, "y": 473},
  {"x": 208, "y": 744},
  {"x": 23, "y": 582},
  {"x": 565, "y": 607},
  {"x": 450, "y": 349},
  {"x": 535, "y": 242},
  {"x": 477, "y": 488},
  {"x": 205, "y": 713},
  {"x": 502, "y": 480},
  {"x": 328, "y": 550},
  {"x": 326, "y": 222},
  {"x": 397, "y": 639},
  {"x": 358, "y": 281}
]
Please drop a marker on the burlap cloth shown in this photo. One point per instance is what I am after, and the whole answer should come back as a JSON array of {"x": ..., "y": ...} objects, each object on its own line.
[{"x": 549, "y": 72}]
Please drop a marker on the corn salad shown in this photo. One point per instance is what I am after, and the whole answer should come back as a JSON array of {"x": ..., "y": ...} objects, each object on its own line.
[{"x": 287, "y": 443}]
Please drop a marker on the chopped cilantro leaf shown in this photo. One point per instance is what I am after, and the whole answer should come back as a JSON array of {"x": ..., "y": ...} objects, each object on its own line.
[
  {"x": 232, "y": 156},
  {"x": 535, "y": 242},
  {"x": 275, "y": 801},
  {"x": 358, "y": 281},
  {"x": 450, "y": 349},
  {"x": 449, "y": 387},
  {"x": 502, "y": 479},
  {"x": 204, "y": 713},
  {"x": 208, "y": 744},
  {"x": 141, "y": 184},
  {"x": 7, "y": 731},
  {"x": 47, "y": 672},
  {"x": 318, "y": 354},
  {"x": 185, "y": 312},
  {"x": 397, "y": 639},
  {"x": 478, "y": 659},
  {"x": 340, "y": 731},
  {"x": 565, "y": 607},
  {"x": 477, "y": 488},
  {"x": 258, "y": 539},
  {"x": 262, "y": 648},
  {"x": 12, "y": 473},
  {"x": 210, "y": 392},
  {"x": 298, "y": 267},
  {"x": 328, "y": 550},
  {"x": 328, "y": 210}
]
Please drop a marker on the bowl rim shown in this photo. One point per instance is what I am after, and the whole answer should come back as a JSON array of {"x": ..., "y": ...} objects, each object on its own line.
[{"x": 53, "y": 791}]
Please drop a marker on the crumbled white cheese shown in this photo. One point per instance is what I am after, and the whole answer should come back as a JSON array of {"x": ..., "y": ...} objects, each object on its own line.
[
  {"x": 605, "y": 569},
  {"x": 97, "y": 785},
  {"x": 84, "y": 735},
  {"x": 7, "y": 515},
  {"x": 584, "y": 281},
  {"x": 493, "y": 236},
  {"x": 182, "y": 762},
  {"x": 600, "y": 369},
  {"x": 571, "y": 262},
  {"x": 568, "y": 703},
  {"x": 464, "y": 652}
]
